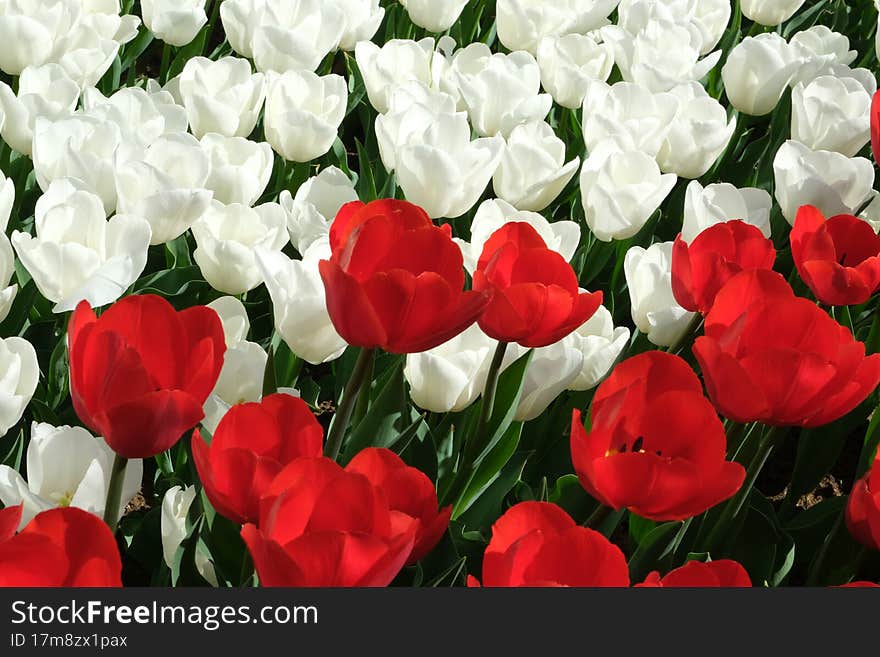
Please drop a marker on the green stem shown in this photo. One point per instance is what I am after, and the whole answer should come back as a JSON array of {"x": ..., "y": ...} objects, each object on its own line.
[
  {"x": 816, "y": 568},
  {"x": 346, "y": 404},
  {"x": 733, "y": 506},
  {"x": 114, "y": 492},
  {"x": 363, "y": 398},
  {"x": 872, "y": 344},
  {"x": 166, "y": 63}
]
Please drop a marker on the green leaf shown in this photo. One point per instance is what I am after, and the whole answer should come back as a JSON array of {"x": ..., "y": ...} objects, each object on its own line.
[
  {"x": 653, "y": 547},
  {"x": 387, "y": 417},
  {"x": 640, "y": 528},
  {"x": 489, "y": 469},
  {"x": 488, "y": 506},
  {"x": 507, "y": 397}
]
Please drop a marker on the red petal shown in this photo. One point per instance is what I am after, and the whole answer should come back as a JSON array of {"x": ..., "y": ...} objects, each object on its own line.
[
  {"x": 350, "y": 309},
  {"x": 150, "y": 424}
]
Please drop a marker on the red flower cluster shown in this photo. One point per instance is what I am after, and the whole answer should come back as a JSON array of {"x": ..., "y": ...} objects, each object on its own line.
[
  {"x": 140, "y": 374},
  {"x": 656, "y": 445},
  {"x": 324, "y": 525},
  {"x": 59, "y": 547}
]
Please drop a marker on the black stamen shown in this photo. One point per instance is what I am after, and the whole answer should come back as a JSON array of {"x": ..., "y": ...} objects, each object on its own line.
[
  {"x": 659, "y": 453},
  {"x": 842, "y": 260},
  {"x": 637, "y": 445}
]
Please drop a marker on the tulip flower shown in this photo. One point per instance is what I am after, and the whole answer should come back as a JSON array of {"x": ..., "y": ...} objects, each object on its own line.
[
  {"x": 721, "y": 202},
  {"x": 699, "y": 134},
  {"x": 831, "y": 114},
  {"x": 620, "y": 189},
  {"x": 790, "y": 363},
  {"x": 239, "y": 169},
  {"x": 7, "y": 257},
  {"x": 43, "y": 92},
  {"x": 863, "y": 508},
  {"x": 551, "y": 371},
  {"x": 434, "y": 15},
  {"x": 770, "y": 12},
  {"x": 707, "y": 19},
  {"x": 299, "y": 303},
  {"x": 499, "y": 91},
  {"x": 317, "y": 201},
  {"x": 838, "y": 258},
  {"x": 408, "y": 491},
  {"x": 538, "y": 544},
  {"x": 656, "y": 445},
  {"x": 569, "y": 62},
  {"x": 362, "y": 20},
  {"x": 252, "y": 443},
  {"x": 174, "y": 22},
  {"x": 175, "y": 506},
  {"x": 391, "y": 65},
  {"x": 394, "y": 280},
  {"x": 295, "y": 35},
  {"x": 630, "y": 111},
  {"x": 21, "y": 372},
  {"x": 313, "y": 507},
  {"x": 523, "y": 23},
  {"x": 535, "y": 299},
  {"x": 832, "y": 182},
  {"x": 140, "y": 373},
  {"x": 303, "y": 113},
  {"x": 560, "y": 236},
  {"x": 824, "y": 52},
  {"x": 720, "y": 573},
  {"x": 66, "y": 466},
  {"x": 533, "y": 171},
  {"x": 601, "y": 344},
  {"x": 30, "y": 29},
  {"x": 61, "y": 547},
  {"x": 717, "y": 254},
  {"x": 757, "y": 71},
  {"x": 654, "y": 310},
  {"x": 77, "y": 254},
  {"x": 221, "y": 96}
]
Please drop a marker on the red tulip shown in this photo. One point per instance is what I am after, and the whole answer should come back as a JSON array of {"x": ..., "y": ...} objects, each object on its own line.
[
  {"x": 60, "y": 547},
  {"x": 394, "y": 279},
  {"x": 656, "y": 445},
  {"x": 875, "y": 127},
  {"x": 322, "y": 526},
  {"x": 859, "y": 585},
  {"x": 408, "y": 491},
  {"x": 721, "y": 573},
  {"x": 838, "y": 258},
  {"x": 700, "y": 269},
  {"x": 536, "y": 300},
  {"x": 772, "y": 357},
  {"x": 140, "y": 373},
  {"x": 863, "y": 508},
  {"x": 538, "y": 544},
  {"x": 250, "y": 446}
]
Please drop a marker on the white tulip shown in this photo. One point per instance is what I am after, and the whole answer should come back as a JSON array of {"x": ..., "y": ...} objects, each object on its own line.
[
  {"x": 86, "y": 51},
  {"x": 141, "y": 116},
  {"x": 698, "y": 135},
  {"x": 315, "y": 205},
  {"x": 500, "y": 91},
  {"x": 29, "y": 31},
  {"x": 654, "y": 309},
  {"x": 757, "y": 71},
  {"x": 176, "y": 22},
  {"x": 831, "y": 114},
  {"x": 303, "y": 114},
  {"x": 240, "y": 168},
  {"x": 601, "y": 344},
  {"x": 226, "y": 236},
  {"x": 447, "y": 173},
  {"x": 175, "y": 507},
  {"x": 628, "y": 110},
  {"x": 221, "y": 96},
  {"x": 295, "y": 35},
  {"x": 871, "y": 213},
  {"x": 233, "y": 317},
  {"x": 823, "y": 52},
  {"x": 19, "y": 374},
  {"x": 569, "y": 62},
  {"x": 620, "y": 190},
  {"x": 434, "y": 15},
  {"x": 83, "y": 147},
  {"x": 299, "y": 303},
  {"x": 533, "y": 171},
  {"x": 707, "y": 19},
  {"x": 551, "y": 371},
  {"x": 770, "y": 12},
  {"x": 834, "y": 183},
  {"x": 167, "y": 187},
  {"x": 523, "y": 23},
  {"x": 77, "y": 254},
  {"x": 660, "y": 56},
  {"x": 7, "y": 257},
  {"x": 43, "y": 91},
  {"x": 450, "y": 377},
  {"x": 362, "y": 20},
  {"x": 722, "y": 202},
  {"x": 66, "y": 466},
  {"x": 397, "y": 61},
  {"x": 560, "y": 236},
  {"x": 412, "y": 110}
]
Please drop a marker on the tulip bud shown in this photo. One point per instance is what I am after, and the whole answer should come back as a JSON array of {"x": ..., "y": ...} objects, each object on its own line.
[
  {"x": 601, "y": 344},
  {"x": 295, "y": 35},
  {"x": 757, "y": 71},
  {"x": 720, "y": 202},
  {"x": 389, "y": 66},
  {"x": 569, "y": 62},
  {"x": 7, "y": 257},
  {"x": 175, "y": 22},
  {"x": 706, "y": 19},
  {"x": 362, "y": 20},
  {"x": 239, "y": 168},
  {"x": 831, "y": 114},
  {"x": 523, "y": 23},
  {"x": 770, "y": 12},
  {"x": 434, "y": 15},
  {"x": 316, "y": 203},
  {"x": 22, "y": 372}
]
